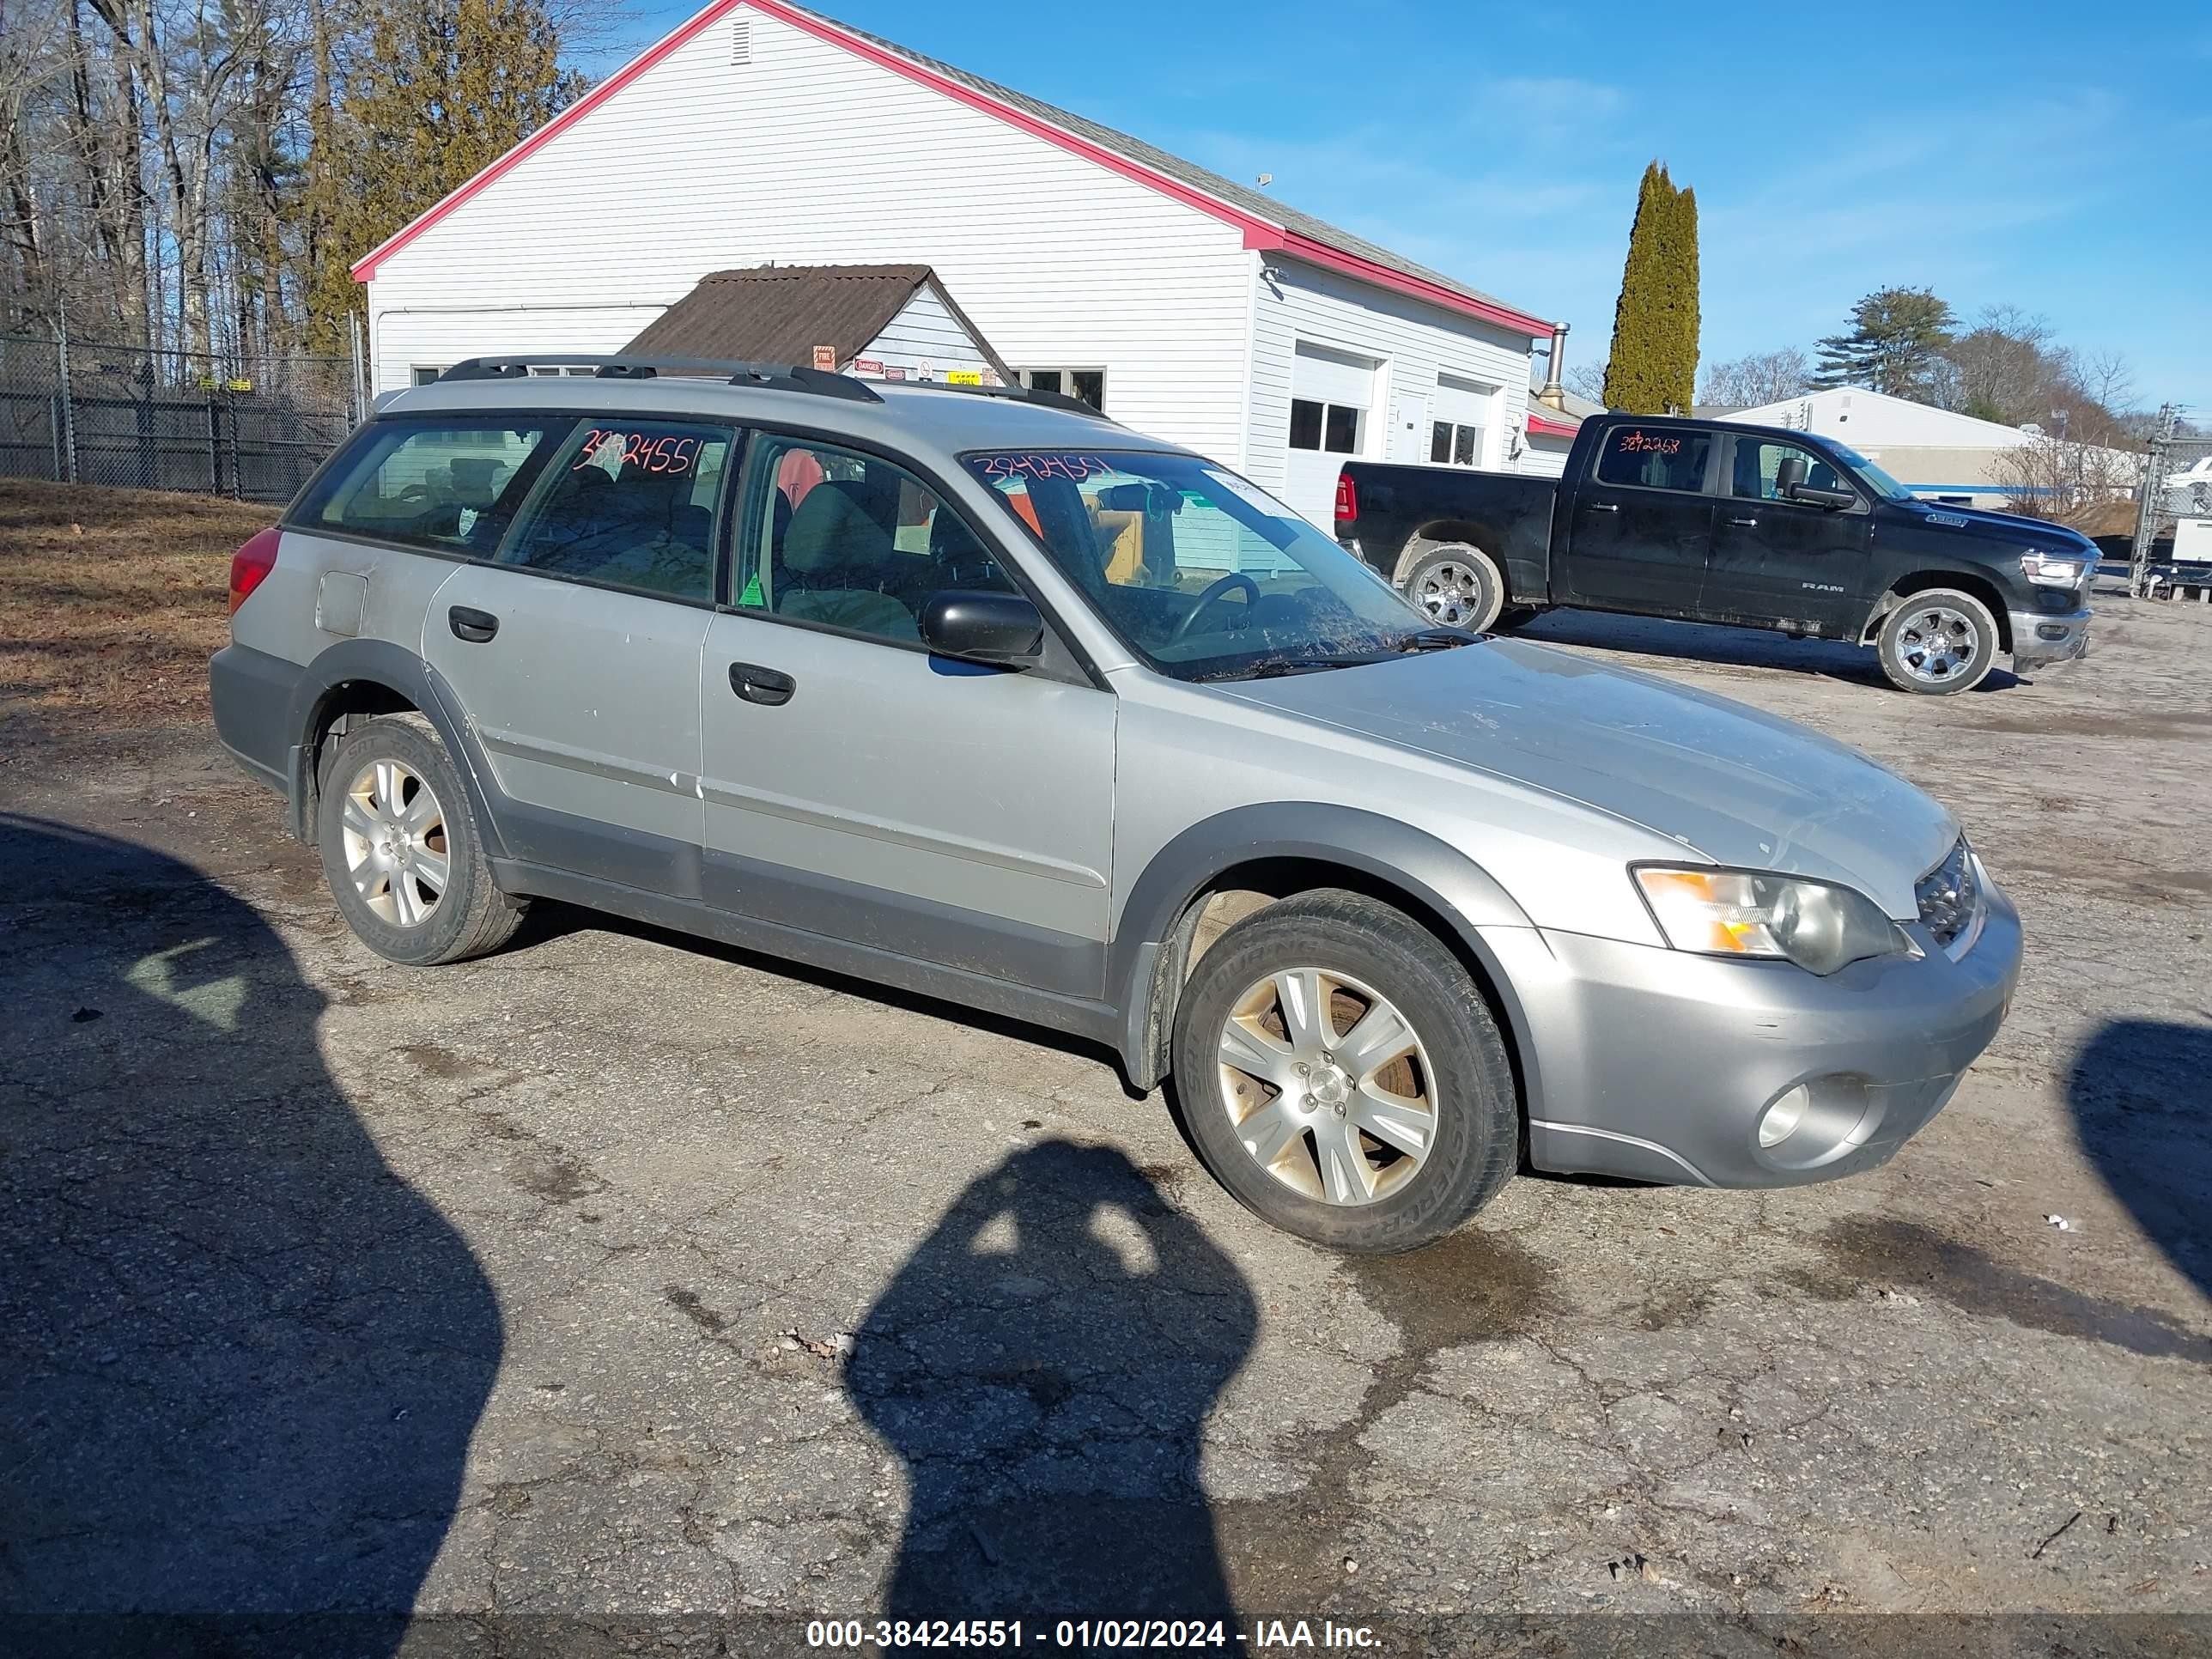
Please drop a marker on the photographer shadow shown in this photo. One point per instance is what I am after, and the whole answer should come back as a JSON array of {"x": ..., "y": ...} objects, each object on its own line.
[{"x": 1044, "y": 1364}]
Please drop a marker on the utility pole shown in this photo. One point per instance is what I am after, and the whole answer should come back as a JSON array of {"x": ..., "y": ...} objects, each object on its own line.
[{"x": 2147, "y": 498}]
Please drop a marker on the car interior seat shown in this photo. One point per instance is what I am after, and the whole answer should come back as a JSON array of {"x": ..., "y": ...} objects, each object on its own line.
[{"x": 836, "y": 559}]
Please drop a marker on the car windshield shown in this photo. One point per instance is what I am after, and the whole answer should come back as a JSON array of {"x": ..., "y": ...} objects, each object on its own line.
[
  {"x": 1879, "y": 481},
  {"x": 1204, "y": 575}
]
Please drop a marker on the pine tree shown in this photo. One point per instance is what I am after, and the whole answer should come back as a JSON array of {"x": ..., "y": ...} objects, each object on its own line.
[
  {"x": 1896, "y": 336},
  {"x": 1654, "y": 362},
  {"x": 445, "y": 88}
]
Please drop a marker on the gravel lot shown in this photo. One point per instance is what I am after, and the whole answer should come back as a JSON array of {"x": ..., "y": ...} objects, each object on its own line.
[{"x": 618, "y": 1276}]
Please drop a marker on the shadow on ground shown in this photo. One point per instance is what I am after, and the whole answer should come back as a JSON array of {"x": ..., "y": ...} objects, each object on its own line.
[
  {"x": 245, "y": 1358},
  {"x": 1050, "y": 1476},
  {"x": 2141, "y": 1093},
  {"x": 1723, "y": 647}
]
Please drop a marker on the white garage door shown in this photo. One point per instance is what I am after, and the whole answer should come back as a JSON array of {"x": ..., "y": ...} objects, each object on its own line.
[
  {"x": 1466, "y": 414},
  {"x": 1331, "y": 407}
]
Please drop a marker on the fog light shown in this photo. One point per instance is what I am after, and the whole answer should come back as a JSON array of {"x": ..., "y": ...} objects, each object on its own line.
[
  {"x": 1780, "y": 1120},
  {"x": 2047, "y": 631}
]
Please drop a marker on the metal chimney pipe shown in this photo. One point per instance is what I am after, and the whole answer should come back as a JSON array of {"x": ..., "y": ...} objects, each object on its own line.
[{"x": 1553, "y": 393}]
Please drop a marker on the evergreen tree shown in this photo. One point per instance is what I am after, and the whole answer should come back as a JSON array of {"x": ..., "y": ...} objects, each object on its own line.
[
  {"x": 1897, "y": 336},
  {"x": 444, "y": 89},
  {"x": 1654, "y": 361}
]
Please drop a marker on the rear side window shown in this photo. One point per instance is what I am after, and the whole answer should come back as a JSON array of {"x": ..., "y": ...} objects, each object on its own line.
[
  {"x": 634, "y": 504},
  {"x": 1657, "y": 458},
  {"x": 452, "y": 485}
]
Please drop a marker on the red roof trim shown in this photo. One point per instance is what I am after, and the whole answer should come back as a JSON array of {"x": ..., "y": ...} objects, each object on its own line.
[
  {"x": 1258, "y": 233},
  {"x": 1540, "y": 426}
]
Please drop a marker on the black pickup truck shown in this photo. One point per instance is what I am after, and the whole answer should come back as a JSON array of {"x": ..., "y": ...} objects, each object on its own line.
[{"x": 1744, "y": 525}]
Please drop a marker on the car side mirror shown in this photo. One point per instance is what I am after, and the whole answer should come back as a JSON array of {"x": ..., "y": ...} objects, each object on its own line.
[
  {"x": 1004, "y": 628},
  {"x": 1790, "y": 477}
]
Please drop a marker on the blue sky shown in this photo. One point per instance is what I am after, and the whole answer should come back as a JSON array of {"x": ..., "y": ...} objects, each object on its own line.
[{"x": 2054, "y": 157}]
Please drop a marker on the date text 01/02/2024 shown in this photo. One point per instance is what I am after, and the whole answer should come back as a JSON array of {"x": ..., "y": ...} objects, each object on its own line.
[{"x": 1084, "y": 1634}]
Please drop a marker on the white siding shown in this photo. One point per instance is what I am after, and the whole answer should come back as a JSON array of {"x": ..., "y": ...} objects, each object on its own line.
[
  {"x": 1545, "y": 458},
  {"x": 924, "y": 337},
  {"x": 1414, "y": 340},
  {"x": 809, "y": 155}
]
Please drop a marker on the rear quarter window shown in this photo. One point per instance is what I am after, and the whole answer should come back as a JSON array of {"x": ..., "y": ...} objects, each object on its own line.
[
  {"x": 452, "y": 484},
  {"x": 1654, "y": 458}
]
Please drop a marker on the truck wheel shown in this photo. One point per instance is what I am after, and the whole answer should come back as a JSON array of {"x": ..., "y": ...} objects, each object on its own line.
[
  {"x": 1937, "y": 642},
  {"x": 1341, "y": 1076},
  {"x": 1457, "y": 586},
  {"x": 400, "y": 849}
]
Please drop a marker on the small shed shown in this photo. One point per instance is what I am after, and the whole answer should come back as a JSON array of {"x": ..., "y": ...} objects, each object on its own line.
[{"x": 896, "y": 322}]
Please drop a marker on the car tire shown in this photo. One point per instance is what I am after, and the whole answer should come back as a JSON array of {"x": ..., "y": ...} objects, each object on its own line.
[
  {"x": 1297, "y": 1152},
  {"x": 401, "y": 849},
  {"x": 1937, "y": 642},
  {"x": 1457, "y": 586}
]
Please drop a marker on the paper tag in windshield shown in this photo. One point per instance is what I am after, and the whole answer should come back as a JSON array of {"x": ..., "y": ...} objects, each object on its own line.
[{"x": 1257, "y": 500}]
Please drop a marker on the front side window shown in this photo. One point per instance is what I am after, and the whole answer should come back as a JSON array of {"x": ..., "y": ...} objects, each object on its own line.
[
  {"x": 1656, "y": 457},
  {"x": 452, "y": 484},
  {"x": 1203, "y": 574},
  {"x": 1759, "y": 465},
  {"x": 851, "y": 540},
  {"x": 633, "y": 504},
  {"x": 1879, "y": 481}
]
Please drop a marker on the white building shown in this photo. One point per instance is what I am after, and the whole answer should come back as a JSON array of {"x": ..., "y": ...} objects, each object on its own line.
[
  {"x": 1935, "y": 452},
  {"x": 1197, "y": 309}
]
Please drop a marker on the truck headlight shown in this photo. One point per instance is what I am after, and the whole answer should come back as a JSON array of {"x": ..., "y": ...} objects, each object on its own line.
[
  {"x": 2053, "y": 570},
  {"x": 1819, "y": 926}
]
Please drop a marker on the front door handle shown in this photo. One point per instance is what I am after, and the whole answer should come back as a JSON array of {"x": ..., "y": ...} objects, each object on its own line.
[
  {"x": 1745, "y": 524},
  {"x": 477, "y": 626},
  {"x": 1603, "y": 507},
  {"x": 761, "y": 686}
]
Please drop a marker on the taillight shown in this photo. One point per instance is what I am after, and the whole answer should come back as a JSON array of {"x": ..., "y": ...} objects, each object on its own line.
[
  {"x": 250, "y": 564},
  {"x": 1347, "y": 499}
]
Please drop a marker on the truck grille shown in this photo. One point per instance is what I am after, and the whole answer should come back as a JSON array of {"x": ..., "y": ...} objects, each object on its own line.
[{"x": 1950, "y": 897}]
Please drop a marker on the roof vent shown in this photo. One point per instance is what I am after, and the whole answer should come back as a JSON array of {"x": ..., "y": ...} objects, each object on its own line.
[{"x": 741, "y": 40}]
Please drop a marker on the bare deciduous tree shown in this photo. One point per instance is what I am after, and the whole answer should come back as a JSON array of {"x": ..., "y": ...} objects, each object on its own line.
[{"x": 1756, "y": 378}]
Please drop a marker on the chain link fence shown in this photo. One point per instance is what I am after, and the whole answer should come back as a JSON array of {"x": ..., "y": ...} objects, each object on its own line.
[
  {"x": 249, "y": 428},
  {"x": 2174, "y": 519}
]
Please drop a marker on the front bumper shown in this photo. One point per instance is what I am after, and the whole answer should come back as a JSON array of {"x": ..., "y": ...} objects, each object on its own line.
[
  {"x": 1657, "y": 1064},
  {"x": 2039, "y": 639}
]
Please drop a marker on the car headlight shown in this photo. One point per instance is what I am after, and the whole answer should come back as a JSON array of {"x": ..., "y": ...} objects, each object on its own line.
[
  {"x": 1743, "y": 913},
  {"x": 2054, "y": 569}
]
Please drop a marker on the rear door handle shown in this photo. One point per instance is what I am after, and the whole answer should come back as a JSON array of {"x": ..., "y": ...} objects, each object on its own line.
[
  {"x": 477, "y": 626},
  {"x": 1746, "y": 523},
  {"x": 1603, "y": 507},
  {"x": 761, "y": 686}
]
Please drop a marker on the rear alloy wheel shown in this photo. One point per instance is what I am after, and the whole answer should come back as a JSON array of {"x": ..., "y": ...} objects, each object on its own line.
[
  {"x": 1458, "y": 587},
  {"x": 401, "y": 849},
  {"x": 1341, "y": 1076},
  {"x": 1937, "y": 642}
]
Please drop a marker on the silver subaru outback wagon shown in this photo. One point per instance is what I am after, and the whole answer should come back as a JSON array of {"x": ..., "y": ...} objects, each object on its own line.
[{"x": 988, "y": 698}]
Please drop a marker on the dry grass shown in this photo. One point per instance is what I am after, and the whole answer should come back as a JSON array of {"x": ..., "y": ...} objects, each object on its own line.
[{"x": 112, "y": 601}]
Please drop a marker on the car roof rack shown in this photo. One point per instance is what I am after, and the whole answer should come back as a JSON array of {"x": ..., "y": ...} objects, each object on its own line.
[
  {"x": 1028, "y": 394},
  {"x": 779, "y": 377}
]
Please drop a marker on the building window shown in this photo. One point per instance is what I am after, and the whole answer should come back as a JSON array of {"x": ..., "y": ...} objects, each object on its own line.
[
  {"x": 424, "y": 374},
  {"x": 1335, "y": 428},
  {"x": 1454, "y": 445},
  {"x": 1087, "y": 384}
]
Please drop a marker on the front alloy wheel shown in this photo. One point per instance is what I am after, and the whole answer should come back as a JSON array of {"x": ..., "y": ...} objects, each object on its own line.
[{"x": 1328, "y": 1087}]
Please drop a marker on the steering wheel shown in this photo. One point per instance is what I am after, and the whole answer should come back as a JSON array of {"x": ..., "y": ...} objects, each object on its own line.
[{"x": 1212, "y": 596}]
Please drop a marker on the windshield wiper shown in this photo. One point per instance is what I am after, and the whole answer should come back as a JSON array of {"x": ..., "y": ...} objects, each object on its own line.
[
  {"x": 1275, "y": 667},
  {"x": 1438, "y": 639}
]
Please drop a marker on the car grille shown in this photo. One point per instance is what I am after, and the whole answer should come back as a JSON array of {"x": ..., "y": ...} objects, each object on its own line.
[{"x": 1950, "y": 897}]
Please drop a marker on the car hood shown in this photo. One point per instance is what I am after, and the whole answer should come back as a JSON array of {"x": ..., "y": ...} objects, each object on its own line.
[
  {"x": 1732, "y": 783},
  {"x": 2013, "y": 529}
]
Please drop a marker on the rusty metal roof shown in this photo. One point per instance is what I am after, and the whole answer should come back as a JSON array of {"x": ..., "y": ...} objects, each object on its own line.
[{"x": 780, "y": 313}]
